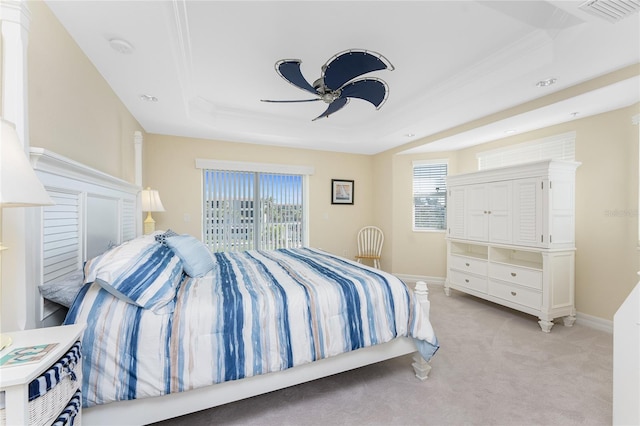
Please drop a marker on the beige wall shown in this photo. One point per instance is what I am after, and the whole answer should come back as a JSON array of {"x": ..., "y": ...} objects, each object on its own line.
[
  {"x": 72, "y": 109},
  {"x": 606, "y": 209},
  {"x": 169, "y": 167},
  {"x": 422, "y": 253}
]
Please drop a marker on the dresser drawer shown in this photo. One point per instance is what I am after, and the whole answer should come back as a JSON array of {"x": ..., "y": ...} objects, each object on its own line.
[
  {"x": 520, "y": 295},
  {"x": 515, "y": 274},
  {"x": 469, "y": 281},
  {"x": 468, "y": 264}
]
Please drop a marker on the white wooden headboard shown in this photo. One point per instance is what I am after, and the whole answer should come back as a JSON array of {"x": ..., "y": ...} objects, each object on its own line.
[{"x": 92, "y": 212}]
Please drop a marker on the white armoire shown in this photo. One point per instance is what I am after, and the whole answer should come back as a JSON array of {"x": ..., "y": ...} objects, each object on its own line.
[{"x": 511, "y": 238}]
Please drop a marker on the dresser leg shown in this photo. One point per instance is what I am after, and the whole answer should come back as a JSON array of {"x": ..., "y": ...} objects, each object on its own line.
[
  {"x": 569, "y": 320},
  {"x": 447, "y": 290},
  {"x": 545, "y": 325}
]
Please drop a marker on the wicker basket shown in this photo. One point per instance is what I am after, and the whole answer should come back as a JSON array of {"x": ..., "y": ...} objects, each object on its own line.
[
  {"x": 45, "y": 409},
  {"x": 70, "y": 416}
]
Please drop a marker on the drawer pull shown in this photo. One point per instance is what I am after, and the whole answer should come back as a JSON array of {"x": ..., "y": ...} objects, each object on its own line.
[
  {"x": 466, "y": 264},
  {"x": 513, "y": 274},
  {"x": 513, "y": 293},
  {"x": 466, "y": 280}
]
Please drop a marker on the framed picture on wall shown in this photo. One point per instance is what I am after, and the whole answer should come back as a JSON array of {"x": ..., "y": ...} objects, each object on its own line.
[{"x": 341, "y": 191}]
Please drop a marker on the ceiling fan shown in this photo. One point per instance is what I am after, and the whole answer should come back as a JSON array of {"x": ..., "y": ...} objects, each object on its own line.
[{"x": 338, "y": 83}]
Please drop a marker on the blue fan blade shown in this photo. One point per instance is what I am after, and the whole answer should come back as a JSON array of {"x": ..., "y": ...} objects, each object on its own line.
[
  {"x": 349, "y": 65},
  {"x": 296, "y": 100},
  {"x": 333, "y": 107},
  {"x": 371, "y": 90},
  {"x": 290, "y": 71}
]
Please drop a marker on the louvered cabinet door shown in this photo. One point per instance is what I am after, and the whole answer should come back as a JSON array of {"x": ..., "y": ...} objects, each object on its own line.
[
  {"x": 528, "y": 212},
  {"x": 456, "y": 212}
]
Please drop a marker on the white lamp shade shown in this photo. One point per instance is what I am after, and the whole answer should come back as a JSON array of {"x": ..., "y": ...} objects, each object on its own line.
[
  {"x": 151, "y": 201},
  {"x": 19, "y": 185}
]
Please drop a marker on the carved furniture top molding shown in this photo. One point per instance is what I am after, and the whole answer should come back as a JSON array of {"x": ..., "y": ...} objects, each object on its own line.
[{"x": 519, "y": 171}]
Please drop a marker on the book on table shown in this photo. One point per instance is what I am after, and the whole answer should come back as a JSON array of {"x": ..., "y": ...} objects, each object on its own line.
[{"x": 26, "y": 355}]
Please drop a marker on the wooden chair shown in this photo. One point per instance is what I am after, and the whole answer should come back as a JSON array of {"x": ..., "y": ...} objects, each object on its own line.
[{"x": 370, "y": 240}]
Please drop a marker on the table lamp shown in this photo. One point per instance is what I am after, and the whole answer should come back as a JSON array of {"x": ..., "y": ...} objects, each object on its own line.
[
  {"x": 150, "y": 203},
  {"x": 19, "y": 185}
]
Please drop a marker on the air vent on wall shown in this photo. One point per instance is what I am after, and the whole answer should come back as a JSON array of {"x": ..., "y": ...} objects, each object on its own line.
[{"x": 611, "y": 10}]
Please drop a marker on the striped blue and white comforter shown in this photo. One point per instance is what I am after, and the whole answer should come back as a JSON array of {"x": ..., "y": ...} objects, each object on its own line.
[{"x": 256, "y": 312}]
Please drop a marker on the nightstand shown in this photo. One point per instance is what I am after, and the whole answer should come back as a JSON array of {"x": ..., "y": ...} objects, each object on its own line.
[{"x": 14, "y": 380}]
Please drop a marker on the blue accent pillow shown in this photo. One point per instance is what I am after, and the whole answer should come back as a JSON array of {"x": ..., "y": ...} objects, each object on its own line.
[
  {"x": 196, "y": 258},
  {"x": 142, "y": 272}
]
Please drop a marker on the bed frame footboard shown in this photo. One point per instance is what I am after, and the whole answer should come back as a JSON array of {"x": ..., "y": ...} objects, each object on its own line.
[{"x": 149, "y": 410}]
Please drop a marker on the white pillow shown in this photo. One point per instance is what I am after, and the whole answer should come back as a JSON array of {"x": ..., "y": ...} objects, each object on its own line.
[{"x": 63, "y": 290}]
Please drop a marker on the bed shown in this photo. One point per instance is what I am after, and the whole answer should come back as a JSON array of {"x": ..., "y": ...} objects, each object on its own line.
[{"x": 173, "y": 328}]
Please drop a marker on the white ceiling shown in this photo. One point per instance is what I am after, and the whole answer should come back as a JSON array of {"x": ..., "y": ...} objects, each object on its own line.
[{"x": 210, "y": 62}]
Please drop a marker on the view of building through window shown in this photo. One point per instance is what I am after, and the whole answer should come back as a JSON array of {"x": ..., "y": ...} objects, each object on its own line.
[
  {"x": 429, "y": 196},
  {"x": 247, "y": 210}
]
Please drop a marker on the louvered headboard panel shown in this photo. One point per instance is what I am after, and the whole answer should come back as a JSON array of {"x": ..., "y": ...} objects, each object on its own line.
[
  {"x": 61, "y": 235},
  {"x": 93, "y": 211}
]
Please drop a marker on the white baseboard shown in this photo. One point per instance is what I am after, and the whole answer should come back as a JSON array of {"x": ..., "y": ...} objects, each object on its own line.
[
  {"x": 411, "y": 279},
  {"x": 584, "y": 319},
  {"x": 595, "y": 322}
]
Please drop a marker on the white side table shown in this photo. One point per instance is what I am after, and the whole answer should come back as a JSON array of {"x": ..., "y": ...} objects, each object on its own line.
[{"x": 14, "y": 381}]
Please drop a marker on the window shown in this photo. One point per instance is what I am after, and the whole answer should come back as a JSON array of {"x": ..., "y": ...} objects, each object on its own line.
[
  {"x": 252, "y": 209},
  {"x": 429, "y": 195}
]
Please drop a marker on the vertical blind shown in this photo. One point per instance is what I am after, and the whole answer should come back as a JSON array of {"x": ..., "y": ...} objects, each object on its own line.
[
  {"x": 251, "y": 210},
  {"x": 429, "y": 196}
]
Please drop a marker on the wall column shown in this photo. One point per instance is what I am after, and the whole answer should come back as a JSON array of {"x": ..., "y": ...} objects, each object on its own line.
[
  {"x": 137, "y": 144},
  {"x": 15, "y": 278}
]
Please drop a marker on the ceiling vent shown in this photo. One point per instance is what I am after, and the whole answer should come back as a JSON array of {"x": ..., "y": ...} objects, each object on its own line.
[{"x": 611, "y": 10}]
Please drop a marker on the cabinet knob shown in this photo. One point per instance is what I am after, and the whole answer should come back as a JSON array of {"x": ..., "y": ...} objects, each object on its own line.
[
  {"x": 513, "y": 293},
  {"x": 466, "y": 280},
  {"x": 513, "y": 274},
  {"x": 466, "y": 264}
]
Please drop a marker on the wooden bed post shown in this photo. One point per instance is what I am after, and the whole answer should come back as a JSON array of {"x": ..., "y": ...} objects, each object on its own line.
[{"x": 420, "y": 366}]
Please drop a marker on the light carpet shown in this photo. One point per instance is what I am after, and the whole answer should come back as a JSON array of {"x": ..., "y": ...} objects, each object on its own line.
[{"x": 495, "y": 367}]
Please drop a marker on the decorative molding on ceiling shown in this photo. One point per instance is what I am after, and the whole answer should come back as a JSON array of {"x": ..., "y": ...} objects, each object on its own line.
[{"x": 183, "y": 51}]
